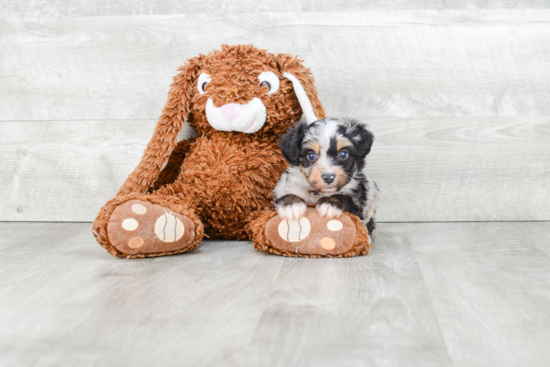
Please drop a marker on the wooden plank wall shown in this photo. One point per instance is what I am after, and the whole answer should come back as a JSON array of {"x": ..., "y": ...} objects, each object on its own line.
[{"x": 457, "y": 94}]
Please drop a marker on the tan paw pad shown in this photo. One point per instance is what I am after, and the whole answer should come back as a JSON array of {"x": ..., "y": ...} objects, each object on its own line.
[
  {"x": 327, "y": 243},
  {"x": 139, "y": 209},
  {"x": 130, "y": 224},
  {"x": 168, "y": 228},
  {"x": 294, "y": 230},
  {"x": 335, "y": 225},
  {"x": 135, "y": 242}
]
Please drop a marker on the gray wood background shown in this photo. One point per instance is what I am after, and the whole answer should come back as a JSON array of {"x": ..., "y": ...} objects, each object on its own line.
[{"x": 456, "y": 92}]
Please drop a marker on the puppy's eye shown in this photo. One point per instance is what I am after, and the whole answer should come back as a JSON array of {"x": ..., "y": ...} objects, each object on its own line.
[
  {"x": 270, "y": 80},
  {"x": 343, "y": 154},
  {"x": 312, "y": 156},
  {"x": 203, "y": 80}
]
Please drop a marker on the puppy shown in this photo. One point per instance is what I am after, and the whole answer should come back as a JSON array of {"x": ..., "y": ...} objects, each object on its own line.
[{"x": 327, "y": 159}]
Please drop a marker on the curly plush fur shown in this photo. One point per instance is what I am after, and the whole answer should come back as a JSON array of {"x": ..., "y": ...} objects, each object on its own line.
[{"x": 221, "y": 178}]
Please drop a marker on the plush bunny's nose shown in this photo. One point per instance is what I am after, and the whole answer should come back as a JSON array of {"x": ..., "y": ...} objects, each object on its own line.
[{"x": 231, "y": 111}]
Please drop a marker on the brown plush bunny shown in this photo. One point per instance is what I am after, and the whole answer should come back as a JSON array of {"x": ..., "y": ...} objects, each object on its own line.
[{"x": 239, "y": 100}]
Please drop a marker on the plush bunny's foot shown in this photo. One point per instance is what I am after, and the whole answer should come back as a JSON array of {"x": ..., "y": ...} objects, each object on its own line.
[
  {"x": 311, "y": 235},
  {"x": 138, "y": 227}
]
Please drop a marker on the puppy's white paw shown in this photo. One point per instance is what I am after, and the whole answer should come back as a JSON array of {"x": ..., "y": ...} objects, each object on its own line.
[
  {"x": 293, "y": 211},
  {"x": 329, "y": 211}
]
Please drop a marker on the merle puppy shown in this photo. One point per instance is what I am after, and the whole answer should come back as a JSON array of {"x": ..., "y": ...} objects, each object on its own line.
[{"x": 327, "y": 160}]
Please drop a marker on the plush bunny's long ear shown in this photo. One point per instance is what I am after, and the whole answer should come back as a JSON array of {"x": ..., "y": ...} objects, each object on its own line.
[
  {"x": 169, "y": 125},
  {"x": 305, "y": 103},
  {"x": 304, "y": 86}
]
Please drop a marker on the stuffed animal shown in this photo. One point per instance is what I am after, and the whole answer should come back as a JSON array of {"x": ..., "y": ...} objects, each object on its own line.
[{"x": 219, "y": 184}]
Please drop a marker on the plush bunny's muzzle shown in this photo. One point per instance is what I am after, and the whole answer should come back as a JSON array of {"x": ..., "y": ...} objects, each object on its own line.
[
  {"x": 250, "y": 117},
  {"x": 246, "y": 118}
]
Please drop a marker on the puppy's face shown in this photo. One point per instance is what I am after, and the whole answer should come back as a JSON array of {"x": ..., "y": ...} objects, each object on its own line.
[{"x": 329, "y": 151}]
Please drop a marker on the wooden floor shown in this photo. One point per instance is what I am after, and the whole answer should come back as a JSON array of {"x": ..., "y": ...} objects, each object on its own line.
[{"x": 430, "y": 294}]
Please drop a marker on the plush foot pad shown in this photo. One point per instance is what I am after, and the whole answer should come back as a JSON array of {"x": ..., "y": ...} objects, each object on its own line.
[
  {"x": 312, "y": 234},
  {"x": 138, "y": 226}
]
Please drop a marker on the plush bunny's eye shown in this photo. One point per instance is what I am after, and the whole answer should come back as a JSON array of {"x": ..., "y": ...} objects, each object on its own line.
[
  {"x": 270, "y": 80},
  {"x": 203, "y": 80}
]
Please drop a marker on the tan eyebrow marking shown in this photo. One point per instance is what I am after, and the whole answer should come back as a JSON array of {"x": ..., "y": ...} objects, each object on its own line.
[
  {"x": 314, "y": 146},
  {"x": 342, "y": 143}
]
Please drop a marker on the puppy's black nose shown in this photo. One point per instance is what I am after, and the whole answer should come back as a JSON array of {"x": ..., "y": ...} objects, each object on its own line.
[{"x": 328, "y": 177}]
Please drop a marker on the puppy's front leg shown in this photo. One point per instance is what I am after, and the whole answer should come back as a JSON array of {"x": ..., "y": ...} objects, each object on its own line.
[
  {"x": 291, "y": 207},
  {"x": 334, "y": 206}
]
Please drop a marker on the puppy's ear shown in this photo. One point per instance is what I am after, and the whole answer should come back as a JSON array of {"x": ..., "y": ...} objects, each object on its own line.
[
  {"x": 291, "y": 142},
  {"x": 361, "y": 138}
]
